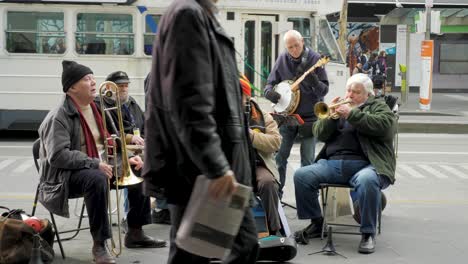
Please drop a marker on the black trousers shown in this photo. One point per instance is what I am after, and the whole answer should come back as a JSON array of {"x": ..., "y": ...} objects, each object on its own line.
[
  {"x": 244, "y": 250},
  {"x": 91, "y": 184}
]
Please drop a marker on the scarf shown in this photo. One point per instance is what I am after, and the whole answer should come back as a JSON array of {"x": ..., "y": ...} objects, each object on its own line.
[{"x": 91, "y": 148}]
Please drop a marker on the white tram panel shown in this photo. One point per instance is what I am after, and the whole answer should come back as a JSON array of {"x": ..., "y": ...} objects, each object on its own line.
[{"x": 32, "y": 81}]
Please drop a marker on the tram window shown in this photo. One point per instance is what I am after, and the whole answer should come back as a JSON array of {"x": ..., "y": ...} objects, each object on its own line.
[
  {"x": 151, "y": 28},
  {"x": 108, "y": 34},
  {"x": 35, "y": 32},
  {"x": 302, "y": 25}
]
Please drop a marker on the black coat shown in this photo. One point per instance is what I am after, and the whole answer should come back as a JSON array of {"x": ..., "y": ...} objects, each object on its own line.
[{"x": 194, "y": 121}]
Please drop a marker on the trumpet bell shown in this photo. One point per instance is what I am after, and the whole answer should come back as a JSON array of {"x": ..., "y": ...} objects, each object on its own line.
[{"x": 321, "y": 110}]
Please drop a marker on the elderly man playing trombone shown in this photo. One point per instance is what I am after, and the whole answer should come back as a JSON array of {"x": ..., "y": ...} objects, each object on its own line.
[
  {"x": 358, "y": 151},
  {"x": 72, "y": 138}
]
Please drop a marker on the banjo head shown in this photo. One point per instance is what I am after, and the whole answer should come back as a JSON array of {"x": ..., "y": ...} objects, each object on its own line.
[{"x": 284, "y": 89}]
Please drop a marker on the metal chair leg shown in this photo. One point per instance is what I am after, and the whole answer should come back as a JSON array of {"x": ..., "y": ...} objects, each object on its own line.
[
  {"x": 324, "y": 213},
  {"x": 78, "y": 229},
  {"x": 35, "y": 201},
  {"x": 57, "y": 235}
]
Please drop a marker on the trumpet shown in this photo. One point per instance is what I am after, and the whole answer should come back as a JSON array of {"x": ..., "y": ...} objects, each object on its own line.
[
  {"x": 125, "y": 176},
  {"x": 322, "y": 110}
]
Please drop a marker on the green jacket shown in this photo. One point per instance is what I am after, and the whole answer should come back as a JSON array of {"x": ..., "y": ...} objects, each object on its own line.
[{"x": 376, "y": 126}]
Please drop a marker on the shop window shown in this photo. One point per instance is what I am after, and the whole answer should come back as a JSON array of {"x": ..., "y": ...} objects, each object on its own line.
[
  {"x": 302, "y": 25},
  {"x": 108, "y": 34},
  {"x": 453, "y": 58},
  {"x": 152, "y": 22},
  {"x": 35, "y": 32}
]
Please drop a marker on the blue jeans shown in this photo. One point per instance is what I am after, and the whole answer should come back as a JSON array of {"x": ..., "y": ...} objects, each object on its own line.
[
  {"x": 357, "y": 173},
  {"x": 289, "y": 134}
]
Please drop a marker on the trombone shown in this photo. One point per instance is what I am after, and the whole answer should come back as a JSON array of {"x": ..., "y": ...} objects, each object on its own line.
[
  {"x": 322, "y": 110},
  {"x": 125, "y": 176}
]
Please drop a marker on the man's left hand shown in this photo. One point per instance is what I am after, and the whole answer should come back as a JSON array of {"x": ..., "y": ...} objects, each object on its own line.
[
  {"x": 136, "y": 160},
  {"x": 344, "y": 110},
  {"x": 137, "y": 140}
]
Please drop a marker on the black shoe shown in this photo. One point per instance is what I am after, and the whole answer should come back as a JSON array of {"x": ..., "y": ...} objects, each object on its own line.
[
  {"x": 311, "y": 231},
  {"x": 367, "y": 244},
  {"x": 138, "y": 239},
  {"x": 161, "y": 217}
]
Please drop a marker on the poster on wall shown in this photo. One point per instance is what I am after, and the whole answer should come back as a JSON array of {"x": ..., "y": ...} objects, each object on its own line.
[
  {"x": 361, "y": 37},
  {"x": 389, "y": 48}
]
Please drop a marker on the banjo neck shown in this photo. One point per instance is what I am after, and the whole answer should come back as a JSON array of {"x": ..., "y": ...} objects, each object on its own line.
[
  {"x": 320, "y": 63},
  {"x": 295, "y": 85}
]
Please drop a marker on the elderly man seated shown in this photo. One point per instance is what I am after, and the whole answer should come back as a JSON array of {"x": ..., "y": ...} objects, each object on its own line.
[{"x": 358, "y": 151}]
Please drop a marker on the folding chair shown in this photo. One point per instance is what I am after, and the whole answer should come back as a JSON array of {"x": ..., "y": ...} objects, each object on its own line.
[
  {"x": 36, "y": 146},
  {"x": 324, "y": 187}
]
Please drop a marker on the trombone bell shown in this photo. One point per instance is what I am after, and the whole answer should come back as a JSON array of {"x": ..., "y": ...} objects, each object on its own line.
[{"x": 127, "y": 180}]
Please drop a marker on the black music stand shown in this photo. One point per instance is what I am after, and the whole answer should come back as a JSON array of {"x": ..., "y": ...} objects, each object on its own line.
[{"x": 329, "y": 248}]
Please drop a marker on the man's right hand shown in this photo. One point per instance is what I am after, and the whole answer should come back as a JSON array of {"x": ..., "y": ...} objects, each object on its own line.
[
  {"x": 107, "y": 169},
  {"x": 223, "y": 186},
  {"x": 273, "y": 96}
]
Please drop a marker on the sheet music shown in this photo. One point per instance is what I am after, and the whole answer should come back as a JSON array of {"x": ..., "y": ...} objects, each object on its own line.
[{"x": 209, "y": 226}]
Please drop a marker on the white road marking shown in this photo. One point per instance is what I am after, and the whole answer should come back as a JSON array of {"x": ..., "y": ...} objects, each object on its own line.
[
  {"x": 24, "y": 166},
  {"x": 432, "y": 171},
  {"x": 5, "y": 163},
  {"x": 454, "y": 171},
  {"x": 457, "y": 97},
  {"x": 434, "y": 152},
  {"x": 411, "y": 172}
]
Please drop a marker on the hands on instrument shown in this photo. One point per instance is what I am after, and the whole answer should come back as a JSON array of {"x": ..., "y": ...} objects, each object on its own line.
[
  {"x": 137, "y": 140},
  {"x": 273, "y": 96},
  {"x": 106, "y": 168},
  {"x": 136, "y": 160},
  {"x": 342, "y": 110},
  {"x": 223, "y": 186}
]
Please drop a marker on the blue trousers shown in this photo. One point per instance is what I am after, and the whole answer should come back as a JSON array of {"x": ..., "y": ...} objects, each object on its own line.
[
  {"x": 289, "y": 134},
  {"x": 357, "y": 173}
]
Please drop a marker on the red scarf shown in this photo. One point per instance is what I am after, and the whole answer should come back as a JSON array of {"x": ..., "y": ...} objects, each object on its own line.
[{"x": 91, "y": 148}]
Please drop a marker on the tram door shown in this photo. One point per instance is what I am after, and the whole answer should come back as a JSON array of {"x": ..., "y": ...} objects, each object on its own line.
[{"x": 259, "y": 48}]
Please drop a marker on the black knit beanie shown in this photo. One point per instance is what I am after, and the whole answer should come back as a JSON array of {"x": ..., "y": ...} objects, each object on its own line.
[{"x": 72, "y": 73}]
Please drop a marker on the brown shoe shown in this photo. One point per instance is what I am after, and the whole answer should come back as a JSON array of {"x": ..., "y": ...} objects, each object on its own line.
[
  {"x": 101, "y": 255},
  {"x": 136, "y": 238}
]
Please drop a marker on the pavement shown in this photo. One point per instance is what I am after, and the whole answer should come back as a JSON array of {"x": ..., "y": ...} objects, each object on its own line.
[{"x": 412, "y": 233}]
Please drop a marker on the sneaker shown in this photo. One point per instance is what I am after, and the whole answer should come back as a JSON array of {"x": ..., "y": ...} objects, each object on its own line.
[
  {"x": 367, "y": 244},
  {"x": 161, "y": 217}
]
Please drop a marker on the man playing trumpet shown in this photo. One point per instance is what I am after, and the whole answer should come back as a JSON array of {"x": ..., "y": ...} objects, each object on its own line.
[{"x": 358, "y": 151}]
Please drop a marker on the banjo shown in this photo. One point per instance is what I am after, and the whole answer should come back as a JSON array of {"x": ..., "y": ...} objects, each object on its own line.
[{"x": 290, "y": 92}]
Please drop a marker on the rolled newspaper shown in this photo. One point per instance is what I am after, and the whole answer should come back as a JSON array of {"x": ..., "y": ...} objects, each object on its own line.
[{"x": 209, "y": 226}]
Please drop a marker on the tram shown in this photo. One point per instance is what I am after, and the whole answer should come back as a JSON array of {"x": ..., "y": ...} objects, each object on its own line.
[{"x": 110, "y": 35}]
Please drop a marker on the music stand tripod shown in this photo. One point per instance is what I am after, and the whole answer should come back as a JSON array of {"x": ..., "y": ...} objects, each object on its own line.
[{"x": 329, "y": 248}]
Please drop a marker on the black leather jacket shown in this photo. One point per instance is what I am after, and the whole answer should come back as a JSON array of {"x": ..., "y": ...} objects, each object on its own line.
[{"x": 194, "y": 121}]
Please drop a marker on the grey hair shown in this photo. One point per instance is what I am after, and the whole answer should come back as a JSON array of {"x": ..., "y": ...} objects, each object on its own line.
[
  {"x": 292, "y": 33},
  {"x": 363, "y": 79}
]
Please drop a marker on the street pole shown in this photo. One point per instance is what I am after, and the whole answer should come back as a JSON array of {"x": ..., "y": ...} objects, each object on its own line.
[
  {"x": 343, "y": 32},
  {"x": 427, "y": 58}
]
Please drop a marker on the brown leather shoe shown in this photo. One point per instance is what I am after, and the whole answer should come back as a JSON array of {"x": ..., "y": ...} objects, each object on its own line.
[
  {"x": 137, "y": 239},
  {"x": 101, "y": 255}
]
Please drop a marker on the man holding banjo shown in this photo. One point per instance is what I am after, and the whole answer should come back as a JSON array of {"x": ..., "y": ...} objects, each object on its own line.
[{"x": 302, "y": 65}]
